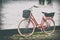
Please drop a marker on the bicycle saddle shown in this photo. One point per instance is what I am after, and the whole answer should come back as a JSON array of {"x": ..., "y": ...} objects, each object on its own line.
[{"x": 48, "y": 14}]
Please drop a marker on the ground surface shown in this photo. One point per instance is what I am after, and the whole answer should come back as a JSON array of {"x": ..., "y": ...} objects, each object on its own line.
[
  {"x": 38, "y": 36},
  {"x": 13, "y": 35}
]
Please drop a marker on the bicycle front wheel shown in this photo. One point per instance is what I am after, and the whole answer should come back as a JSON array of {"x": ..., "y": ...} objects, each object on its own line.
[
  {"x": 26, "y": 28},
  {"x": 49, "y": 26}
]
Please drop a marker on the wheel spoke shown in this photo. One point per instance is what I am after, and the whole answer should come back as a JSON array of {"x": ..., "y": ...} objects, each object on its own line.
[
  {"x": 49, "y": 26},
  {"x": 26, "y": 28}
]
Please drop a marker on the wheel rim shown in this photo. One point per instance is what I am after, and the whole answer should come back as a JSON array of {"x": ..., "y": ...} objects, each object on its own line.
[
  {"x": 49, "y": 27},
  {"x": 25, "y": 31}
]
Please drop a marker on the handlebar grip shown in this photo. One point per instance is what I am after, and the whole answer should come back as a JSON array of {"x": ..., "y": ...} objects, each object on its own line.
[{"x": 35, "y": 6}]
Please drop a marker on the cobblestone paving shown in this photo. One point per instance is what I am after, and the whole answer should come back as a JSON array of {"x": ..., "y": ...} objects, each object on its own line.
[{"x": 38, "y": 36}]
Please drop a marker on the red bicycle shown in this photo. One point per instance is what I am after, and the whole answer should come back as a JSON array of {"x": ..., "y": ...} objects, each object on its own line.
[{"x": 27, "y": 26}]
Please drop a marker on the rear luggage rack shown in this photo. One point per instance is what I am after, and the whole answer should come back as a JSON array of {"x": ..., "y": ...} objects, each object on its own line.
[{"x": 49, "y": 14}]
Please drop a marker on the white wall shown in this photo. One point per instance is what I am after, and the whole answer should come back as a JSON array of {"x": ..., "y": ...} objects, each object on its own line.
[
  {"x": 57, "y": 12},
  {"x": 12, "y": 12}
]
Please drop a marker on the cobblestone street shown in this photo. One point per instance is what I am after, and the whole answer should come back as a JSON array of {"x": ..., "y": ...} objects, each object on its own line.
[{"x": 13, "y": 35}]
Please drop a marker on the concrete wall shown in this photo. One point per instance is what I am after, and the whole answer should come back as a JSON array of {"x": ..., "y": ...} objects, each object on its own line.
[{"x": 12, "y": 12}]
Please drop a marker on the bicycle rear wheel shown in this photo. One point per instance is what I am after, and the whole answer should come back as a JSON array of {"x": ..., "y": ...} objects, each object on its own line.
[
  {"x": 49, "y": 26},
  {"x": 25, "y": 30}
]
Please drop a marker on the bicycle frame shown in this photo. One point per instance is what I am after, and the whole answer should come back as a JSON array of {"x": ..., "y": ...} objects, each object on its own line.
[{"x": 39, "y": 26}]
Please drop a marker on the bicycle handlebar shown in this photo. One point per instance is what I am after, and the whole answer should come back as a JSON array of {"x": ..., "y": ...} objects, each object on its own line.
[{"x": 33, "y": 6}]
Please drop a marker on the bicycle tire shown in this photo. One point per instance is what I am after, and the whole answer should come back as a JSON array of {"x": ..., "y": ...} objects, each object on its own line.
[
  {"x": 49, "y": 29},
  {"x": 25, "y": 35}
]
